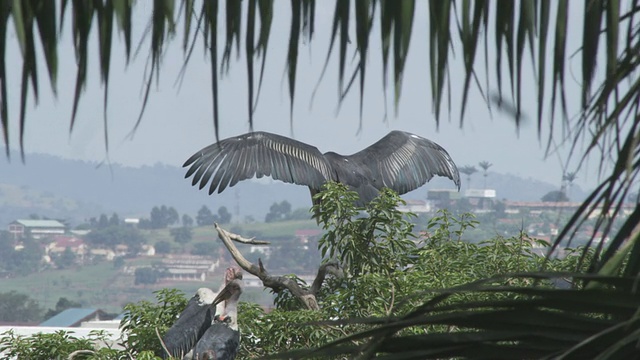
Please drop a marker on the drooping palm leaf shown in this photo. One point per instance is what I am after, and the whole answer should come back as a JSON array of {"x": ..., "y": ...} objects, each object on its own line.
[{"x": 539, "y": 323}]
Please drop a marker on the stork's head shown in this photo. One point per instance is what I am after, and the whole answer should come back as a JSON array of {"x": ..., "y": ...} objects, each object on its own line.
[
  {"x": 205, "y": 296},
  {"x": 232, "y": 273},
  {"x": 231, "y": 292}
]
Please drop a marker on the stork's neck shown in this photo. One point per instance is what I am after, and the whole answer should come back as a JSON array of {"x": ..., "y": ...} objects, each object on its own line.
[{"x": 231, "y": 311}]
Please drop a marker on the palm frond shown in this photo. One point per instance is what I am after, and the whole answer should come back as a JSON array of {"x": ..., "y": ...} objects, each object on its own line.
[{"x": 536, "y": 323}]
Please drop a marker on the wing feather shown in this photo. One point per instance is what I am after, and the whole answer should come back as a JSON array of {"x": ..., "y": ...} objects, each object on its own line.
[
  {"x": 403, "y": 162},
  {"x": 193, "y": 322},
  {"x": 258, "y": 154}
]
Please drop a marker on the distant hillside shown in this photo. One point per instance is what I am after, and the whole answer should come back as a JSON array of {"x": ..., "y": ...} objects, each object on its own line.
[{"x": 77, "y": 190}]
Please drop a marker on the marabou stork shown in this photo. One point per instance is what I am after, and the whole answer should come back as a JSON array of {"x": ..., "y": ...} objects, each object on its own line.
[
  {"x": 400, "y": 161},
  {"x": 222, "y": 339},
  {"x": 197, "y": 317}
]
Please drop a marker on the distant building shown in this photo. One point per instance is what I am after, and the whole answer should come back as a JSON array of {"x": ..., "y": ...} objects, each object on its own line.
[
  {"x": 61, "y": 242},
  {"x": 480, "y": 193},
  {"x": 442, "y": 198},
  {"x": 74, "y": 317},
  {"x": 481, "y": 199},
  {"x": 415, "y": 206},
  {"x": 36, "y": 228},
  {"x": 305, "y": 235}
]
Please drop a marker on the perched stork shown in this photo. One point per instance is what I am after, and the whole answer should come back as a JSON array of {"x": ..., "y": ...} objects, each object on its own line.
[
  {"x": 400, "y": 161},
  {"x": 222, "y": 339},
  {"x": 193, "y": 322}
]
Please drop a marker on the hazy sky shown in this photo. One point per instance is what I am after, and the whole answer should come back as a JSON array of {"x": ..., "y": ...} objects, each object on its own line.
[{"x": 178, "y": 120}]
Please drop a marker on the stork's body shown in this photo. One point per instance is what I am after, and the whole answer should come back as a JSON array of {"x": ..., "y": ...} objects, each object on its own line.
[
  {"x": 192, "y": 323},
  {"x": 198, "y": 316},
  {"x": 400, "y": 161},
  {"x": 222, "y": 339}
]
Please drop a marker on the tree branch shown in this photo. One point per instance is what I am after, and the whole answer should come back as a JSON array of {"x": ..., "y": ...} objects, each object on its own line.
[
  {"x": 277, "y": 283},
  {"x": 240, "y": 239},
  {"x": 331, "y": 268}
]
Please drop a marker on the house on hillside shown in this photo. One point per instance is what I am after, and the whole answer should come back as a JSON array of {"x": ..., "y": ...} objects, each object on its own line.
[
  {"x": 74, "y": 317},
  {"x": 36, "y": 228},
  {"x": 61, "y": 242}
]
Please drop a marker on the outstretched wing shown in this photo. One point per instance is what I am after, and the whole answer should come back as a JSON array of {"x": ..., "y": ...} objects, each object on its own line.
[
  {"x": 258, "y": 154},
  {"x": 403, "y": 162}
]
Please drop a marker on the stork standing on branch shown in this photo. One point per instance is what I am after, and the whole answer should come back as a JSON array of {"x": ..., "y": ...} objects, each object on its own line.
[{"x": 400, "y": 161}]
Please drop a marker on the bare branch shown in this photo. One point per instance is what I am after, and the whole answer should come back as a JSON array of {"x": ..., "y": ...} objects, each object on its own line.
[
  {"x": 80, "y": 352},
  {"x": 243, "y": 240},
  {"x": 277, "y": 283}
]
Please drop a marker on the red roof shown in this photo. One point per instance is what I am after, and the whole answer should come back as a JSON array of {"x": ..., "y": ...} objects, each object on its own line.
[
  {"x": 67, "y": 241},
  {"x": 308, "y": 232}
]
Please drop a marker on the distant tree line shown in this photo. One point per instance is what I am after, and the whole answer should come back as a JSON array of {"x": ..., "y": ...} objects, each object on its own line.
[
  {"x": 282, "y": 212},
  {"x": 21, "y": 260}
]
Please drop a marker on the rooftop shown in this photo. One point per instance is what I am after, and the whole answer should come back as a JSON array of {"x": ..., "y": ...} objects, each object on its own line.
[
  {"x": 40, "y": 223},
  {"x": 71, "y": 317}
]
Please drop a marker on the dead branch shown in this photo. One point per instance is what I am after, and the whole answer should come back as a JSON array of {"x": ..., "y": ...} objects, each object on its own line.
[
  {"x": 277, "y": 283},
  {"x": 243, "y": 240}
]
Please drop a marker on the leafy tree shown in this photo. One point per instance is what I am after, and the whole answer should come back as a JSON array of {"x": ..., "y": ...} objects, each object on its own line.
[
  {"x": 17, "y": 307},
  {"x": 187, "y": 220},
  {"x": 468, "y": 170},
  {"x": 28, "y": 259},
  {"x": 103, "y": 222},
  {"x": 67, "y": 259},
  {"x": 485, "y": 165},
  {"x": 172, "y": 216},
  {"x": 278, "y": 212},
  {"x": 182, "y": 235},
  {"x": 555, "y": 196},
  {"x": 143, "y": 319},
  {"x": 118, "y": 262},
  {"x": 606, "y": 115},
  {"x": 568, "y": 179},
  {"x": 163, "y": 247},
  {"x": 116, "y": 235},
  {"x": 300, "y": 214},
  {"x": 205, "y": 217},
  {"x": 163, "y": 216},
  {"x": 114, "y": 220},
  {"x": 146, "y": 276},
  {"x": 224, "y": 216},
  {"x": 58, "y": 345},
  {"x": 62, "y": 304},
  {"x": 6, "y": 249}
]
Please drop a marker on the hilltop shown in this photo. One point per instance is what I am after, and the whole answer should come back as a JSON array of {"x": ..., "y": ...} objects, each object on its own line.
[{"x": 76, "y": 190}]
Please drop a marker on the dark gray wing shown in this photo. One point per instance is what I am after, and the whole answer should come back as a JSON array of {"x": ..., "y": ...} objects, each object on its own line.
[
  {"x": 183, "y": 335},
  {"x": 220, "y": 342},
  {"x": 258, "y": 154},
  {"x": 403, "y": 162}
]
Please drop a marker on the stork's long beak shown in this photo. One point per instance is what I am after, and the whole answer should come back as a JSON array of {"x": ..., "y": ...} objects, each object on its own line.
[{"x": 224, "y": 295}]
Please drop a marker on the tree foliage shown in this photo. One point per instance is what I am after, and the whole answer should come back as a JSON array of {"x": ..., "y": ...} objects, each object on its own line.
[
  {"x": 182, "y": 235},
  {"x": 163, "y": 216},
  {"x": 20, "y": 260},
  {"x": 57, "y": 345},
  {"x": 555, "y": 196},
  {"x": 278, "y": 212},
  {"x": 205, "y": 216},
  {"x": 62, "y": 304},
  {"x": 117, "y": 235},
  {"x": 17, "y": 307}
]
